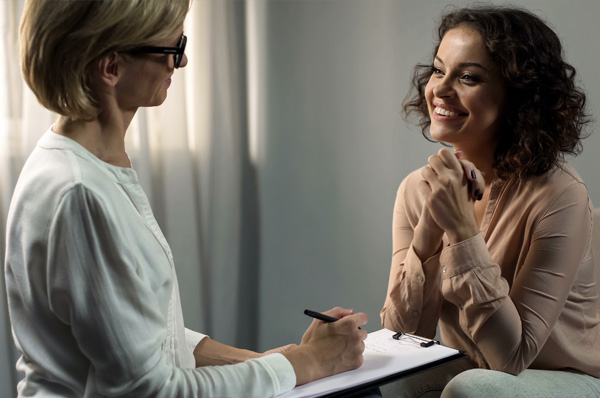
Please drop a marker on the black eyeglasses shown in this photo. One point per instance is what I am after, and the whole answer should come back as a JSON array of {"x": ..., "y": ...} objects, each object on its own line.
[{"x": 176, "y": 51}]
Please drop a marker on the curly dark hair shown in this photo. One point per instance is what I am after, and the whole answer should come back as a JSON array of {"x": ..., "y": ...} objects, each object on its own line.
[{"x": 545, "y": 115}]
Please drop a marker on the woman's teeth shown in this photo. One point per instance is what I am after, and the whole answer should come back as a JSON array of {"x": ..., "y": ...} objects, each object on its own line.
[{"x": 444, "y": 112}]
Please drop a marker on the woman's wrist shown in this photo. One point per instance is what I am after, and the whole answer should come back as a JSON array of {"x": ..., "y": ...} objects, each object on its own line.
[
  {"x": 209, "y": 352},
  {"x": 462, "y": 233},
  {"x": 305, "y": 367},
  {"x": 425, "y": 245}
]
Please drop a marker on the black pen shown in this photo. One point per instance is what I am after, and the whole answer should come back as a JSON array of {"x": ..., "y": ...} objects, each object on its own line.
[{"x": 319, "y": 316}]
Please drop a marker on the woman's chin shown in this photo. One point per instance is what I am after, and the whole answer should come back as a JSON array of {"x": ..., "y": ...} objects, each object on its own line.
[{"x": 442, "y": 136}]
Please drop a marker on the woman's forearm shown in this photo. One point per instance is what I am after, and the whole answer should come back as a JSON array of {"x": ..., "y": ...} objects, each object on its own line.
[{"x": 209, "y": 352}]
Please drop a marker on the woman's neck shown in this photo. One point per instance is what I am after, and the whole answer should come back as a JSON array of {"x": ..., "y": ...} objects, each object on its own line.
[
  {"x": 104, "y": 137},
  {"x": 483, "y": 159}
]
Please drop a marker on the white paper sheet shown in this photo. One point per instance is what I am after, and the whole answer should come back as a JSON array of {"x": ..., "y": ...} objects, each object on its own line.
[{"x": 383, "y": 356}]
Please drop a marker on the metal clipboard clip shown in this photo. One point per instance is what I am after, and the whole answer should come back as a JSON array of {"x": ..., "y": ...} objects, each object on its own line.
[{"x": 422, "y": 341}]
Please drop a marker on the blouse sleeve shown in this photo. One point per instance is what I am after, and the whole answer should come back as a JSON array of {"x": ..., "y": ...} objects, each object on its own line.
[
  {"x": 192, "y": 338},
  {"x": 511, "y": 325},
  {"x": 413, "y": 302},
  {"x": 108, "y": 306}
]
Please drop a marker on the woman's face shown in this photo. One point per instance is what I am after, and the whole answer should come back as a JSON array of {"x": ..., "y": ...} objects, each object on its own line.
[
  {"x": 147, "y": 77},
  {"x": 465, "y": 94}
]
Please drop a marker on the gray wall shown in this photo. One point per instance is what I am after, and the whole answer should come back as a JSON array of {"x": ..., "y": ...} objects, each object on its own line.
[{"x": 335, "y": 147}]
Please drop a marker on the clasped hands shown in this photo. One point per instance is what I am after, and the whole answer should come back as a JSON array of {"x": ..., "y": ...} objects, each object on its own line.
[{"x": 450, "y": 187}]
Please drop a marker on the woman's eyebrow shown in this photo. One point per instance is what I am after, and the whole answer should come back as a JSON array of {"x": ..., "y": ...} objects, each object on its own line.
[{"x": 465, "y": 64}]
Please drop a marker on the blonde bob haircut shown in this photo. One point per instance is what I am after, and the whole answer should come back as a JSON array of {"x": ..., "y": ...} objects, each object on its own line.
[{"x": 62, "y": 40}]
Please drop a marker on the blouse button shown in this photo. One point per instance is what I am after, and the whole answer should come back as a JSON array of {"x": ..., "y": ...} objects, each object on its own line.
[{"x": 444, "y": 270}]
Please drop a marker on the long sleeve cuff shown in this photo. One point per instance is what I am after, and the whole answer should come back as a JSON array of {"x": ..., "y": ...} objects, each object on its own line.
[
  {"x": 464, "y": 256},
  {"x": 192, "y": 339},
  {"x": 283, "y": 372}
]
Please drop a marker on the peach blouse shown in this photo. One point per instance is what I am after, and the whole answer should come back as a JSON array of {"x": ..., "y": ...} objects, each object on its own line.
[{"x": 521, "y": 294}]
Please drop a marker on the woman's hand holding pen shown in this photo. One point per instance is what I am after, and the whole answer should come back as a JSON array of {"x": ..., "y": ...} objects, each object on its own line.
[
  {"x": 329, "y": 348},
  {"x": 451, "y": 187}
]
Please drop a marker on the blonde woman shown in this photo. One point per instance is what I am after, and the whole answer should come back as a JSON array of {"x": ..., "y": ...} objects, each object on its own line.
[{"x": 92, "y": 290}]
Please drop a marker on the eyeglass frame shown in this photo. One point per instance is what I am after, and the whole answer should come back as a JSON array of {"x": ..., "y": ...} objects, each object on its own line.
[{"x": 177, "y": 51}]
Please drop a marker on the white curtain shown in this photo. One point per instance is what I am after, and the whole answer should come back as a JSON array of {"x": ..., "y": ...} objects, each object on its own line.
[{"x": 192, "y": 157}]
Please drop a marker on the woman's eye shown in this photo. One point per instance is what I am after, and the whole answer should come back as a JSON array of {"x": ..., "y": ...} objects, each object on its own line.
[
  {"x": 470, "y": 78},
  {"x": 436, "y": 71}
]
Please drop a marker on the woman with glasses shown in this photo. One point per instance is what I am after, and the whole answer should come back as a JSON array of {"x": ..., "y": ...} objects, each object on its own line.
[
  {"x": 508, "y": 276},
  {"x": 92, "y": 290}
]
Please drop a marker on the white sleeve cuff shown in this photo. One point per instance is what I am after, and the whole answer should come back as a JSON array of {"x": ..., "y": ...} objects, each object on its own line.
[{"x": 193, "y": 338}]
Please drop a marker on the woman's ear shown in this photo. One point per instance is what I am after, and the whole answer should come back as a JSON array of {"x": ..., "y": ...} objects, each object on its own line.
[{"x": 109, "y": 69}]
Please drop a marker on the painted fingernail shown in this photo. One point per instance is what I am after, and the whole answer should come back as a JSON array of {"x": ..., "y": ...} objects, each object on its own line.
[
  {"x": 473, "y": 174},
  {"x": 480, "y": 197},
  {"x": 477, "y": 193}
]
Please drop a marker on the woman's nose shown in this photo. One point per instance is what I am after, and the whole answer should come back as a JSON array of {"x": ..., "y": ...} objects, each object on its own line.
[
  {"x": 184, "y": 61},
  {"x": 443, "y": 88}
]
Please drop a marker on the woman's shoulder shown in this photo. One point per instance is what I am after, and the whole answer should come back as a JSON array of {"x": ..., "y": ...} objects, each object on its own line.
[
  {"x": 565, "y": 172},
  {"x": 561, "y": 178},
  {"x": 51, "y": 171},
  {"x": 57, "y": 170},
  {"x": 408, "y": 195},
  {"x": 410, "y": 184},
  {"x": 560, "y": 188},
  {"x": 412, "y": 179}
]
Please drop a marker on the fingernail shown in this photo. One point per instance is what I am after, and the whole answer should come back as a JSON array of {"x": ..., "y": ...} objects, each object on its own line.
[
  {"x": 473, "y": 174},
  {"x": 477, "y": 193},
  {"x": 480, "y": 197}
]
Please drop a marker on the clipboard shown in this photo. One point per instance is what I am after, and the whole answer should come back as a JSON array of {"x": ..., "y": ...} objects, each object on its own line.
[{"x": 385, "y": 359}]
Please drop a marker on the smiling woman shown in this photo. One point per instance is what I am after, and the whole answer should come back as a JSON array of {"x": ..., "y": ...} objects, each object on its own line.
[
  {"x": 466, "y": 94},
  {"x": 545, "y": 109},
  {"x": 506, "y": 276}
]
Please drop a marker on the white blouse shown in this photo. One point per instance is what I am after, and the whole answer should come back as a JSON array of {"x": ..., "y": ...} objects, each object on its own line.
[{"x": 92, "y": 291}]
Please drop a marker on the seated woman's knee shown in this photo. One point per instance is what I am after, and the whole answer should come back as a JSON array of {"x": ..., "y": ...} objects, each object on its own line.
[{"x": 476, "y": 383}]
